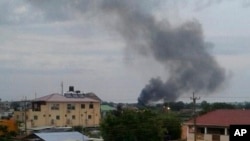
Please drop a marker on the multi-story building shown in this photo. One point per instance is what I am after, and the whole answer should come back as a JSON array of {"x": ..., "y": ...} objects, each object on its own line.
[{"x": 70, "y": 109}]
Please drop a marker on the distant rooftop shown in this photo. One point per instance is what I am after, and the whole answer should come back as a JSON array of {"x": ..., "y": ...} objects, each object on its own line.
[{"x": 107, "y": 108}]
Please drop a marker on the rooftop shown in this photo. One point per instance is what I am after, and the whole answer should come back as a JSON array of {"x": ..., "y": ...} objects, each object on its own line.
[
  {"x": 107, "y": 108},
  {"x": 55, "y": 97},
  {"x": 223, "y": 118},
  {"x": 59, "y": 136}
]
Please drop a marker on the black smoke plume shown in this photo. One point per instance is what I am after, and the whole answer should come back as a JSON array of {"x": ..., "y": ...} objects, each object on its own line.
[{"x": 180, "y": 48}]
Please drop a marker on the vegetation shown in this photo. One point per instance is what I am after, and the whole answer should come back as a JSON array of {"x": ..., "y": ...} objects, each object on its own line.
[
  {"x": 5, "y": 134},
  {"x": 172, "y": 124},
  {"x": 156, "y": 122},
  {"x": 139, "y": 125}
]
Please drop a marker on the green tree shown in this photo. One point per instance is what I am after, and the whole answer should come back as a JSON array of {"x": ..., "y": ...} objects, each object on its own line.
[
  {"x": 132, "y": 125},
  {"x": 172, "y": 123},
  {"x": 205, "y": 106}
]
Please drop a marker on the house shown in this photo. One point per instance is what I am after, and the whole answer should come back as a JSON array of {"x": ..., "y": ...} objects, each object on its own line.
[
  {"x": 56, "y": 136},
  {"x": 214, "y": 126},
  {"x": 70, "y": 109}
]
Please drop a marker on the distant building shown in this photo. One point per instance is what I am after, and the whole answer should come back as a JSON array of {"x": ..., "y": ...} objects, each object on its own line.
[
  {"x": 214, "y": 126},
  {"x": 4, "y": 106},
  {"x": 71, "y": 109},
  {"x": 106, "y": 109}
]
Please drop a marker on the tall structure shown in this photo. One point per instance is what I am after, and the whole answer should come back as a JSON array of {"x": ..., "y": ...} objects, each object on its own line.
[
  {"x": 194, "y": 114},
  {"x": 70, "y": 109}
]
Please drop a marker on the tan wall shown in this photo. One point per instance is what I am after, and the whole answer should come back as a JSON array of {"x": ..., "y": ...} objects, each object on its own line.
[
  {"x": 224, "y": 138},
  {"x": 184, "y": 129},
  {"x": 207, "y": 137},
  {"x": 19, "y": 115},
  {"x": 76, "y": 117}
]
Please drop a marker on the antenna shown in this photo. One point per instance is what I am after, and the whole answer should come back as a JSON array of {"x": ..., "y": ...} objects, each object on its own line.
[{"x": 62, "y": 87}]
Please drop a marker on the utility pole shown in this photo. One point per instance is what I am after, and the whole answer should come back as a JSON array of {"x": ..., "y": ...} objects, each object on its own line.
[
  {"x": 194, "y": 113},
  {"x": 25, "y": 112}
]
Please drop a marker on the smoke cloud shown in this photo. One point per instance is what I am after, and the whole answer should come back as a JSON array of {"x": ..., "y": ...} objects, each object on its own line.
[{"x": 180, "y": 48}]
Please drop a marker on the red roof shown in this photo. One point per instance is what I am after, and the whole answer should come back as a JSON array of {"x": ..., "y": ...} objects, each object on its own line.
[
  {"x": 223, "y": 118},
  {"x": 60, "y": 98}
]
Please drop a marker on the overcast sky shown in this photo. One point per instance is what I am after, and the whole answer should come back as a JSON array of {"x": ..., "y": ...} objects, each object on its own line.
[{"x": 45, "y": 43}]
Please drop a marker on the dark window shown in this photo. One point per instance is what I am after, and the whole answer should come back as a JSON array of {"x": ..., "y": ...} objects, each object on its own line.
[
  {"x": 58, "y": 117},
  {"x": 91, "y": 106},
  {"x": 35, "y": 117},
  {"x": 83, "y": 106},
  {"x": 89, "y": 116},
  {"x": 36, "y": 107},
  {"x": 73, "y": 117},
  {"x": 217, "y": 131},
  {"x": 55, "y": 106},
  {"x": 201, "y": 130},
  {"x": 70, "y": 106}
]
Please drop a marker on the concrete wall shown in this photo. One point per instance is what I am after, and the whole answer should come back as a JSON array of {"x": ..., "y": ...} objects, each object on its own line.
[{"x": 207, "y": 137}]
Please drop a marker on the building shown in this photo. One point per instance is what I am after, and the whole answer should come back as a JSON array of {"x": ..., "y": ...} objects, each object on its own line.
[
  {"x": 106, "y": 109},
  {"x": 70, "y": 109},
  {"x": 214, "y": 126}
]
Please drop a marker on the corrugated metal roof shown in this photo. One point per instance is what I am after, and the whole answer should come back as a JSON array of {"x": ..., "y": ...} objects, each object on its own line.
[
  {"x": 60, "y": 98},
  {"x": 107, "y": 108},
  {"x": 62, "y": 136}
]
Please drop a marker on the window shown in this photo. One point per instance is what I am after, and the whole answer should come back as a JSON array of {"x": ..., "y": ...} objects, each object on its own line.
[
  {"x": 217, "y": 131},
  {"x": 83, "y": 106},
  {"x": 70, "y": 106},
  {"x": 73, "y": 117},
  {"x": 54, "y": 106},
  {"x": 89, "y": 116},
  {"x": 201, "y": 130},
  {"x": 36, "y": 107},
  {"x": 58, "y": 117},
  {"x": 35, "y": 117},
  {"x": 91, "y": 106}
]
